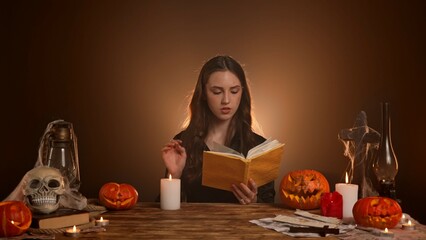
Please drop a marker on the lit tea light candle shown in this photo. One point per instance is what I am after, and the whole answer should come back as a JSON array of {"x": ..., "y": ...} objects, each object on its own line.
[
  {"x": 408, "y": 225},
  {"x": 386, "y": 233},
  {"x": 403, "y": 219},
  {"x": 102, "y": 222},
  {"x": 349, "y": 194},
  {"x": 170, "y": 193},
  {"x": 72, "y": 232}
]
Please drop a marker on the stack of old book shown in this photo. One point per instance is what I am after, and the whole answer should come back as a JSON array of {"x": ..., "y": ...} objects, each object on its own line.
[{"x": 62, "y": 218}]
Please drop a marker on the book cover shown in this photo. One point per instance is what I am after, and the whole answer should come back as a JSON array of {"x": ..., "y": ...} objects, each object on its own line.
[
  {"x": 223, "y": 166},
  {"x": 60, "y": 219}
]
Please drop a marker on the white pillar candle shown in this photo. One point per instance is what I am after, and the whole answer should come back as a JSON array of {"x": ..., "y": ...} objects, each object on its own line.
[
  {"x": 170, "y": 193},
  {"x": 349, "y": 194}
]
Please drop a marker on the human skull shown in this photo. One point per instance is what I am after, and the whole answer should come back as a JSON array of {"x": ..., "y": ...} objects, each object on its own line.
[{"x": 43, "y": 188}]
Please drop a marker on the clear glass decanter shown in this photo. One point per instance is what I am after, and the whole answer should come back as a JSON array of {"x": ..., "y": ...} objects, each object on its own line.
[{"x": 385, "y": 165}]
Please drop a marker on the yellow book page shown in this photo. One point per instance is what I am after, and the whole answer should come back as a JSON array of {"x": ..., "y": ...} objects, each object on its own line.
[
  {"x": 221, "y": 171},
  {"x": 265, "y": 167}
]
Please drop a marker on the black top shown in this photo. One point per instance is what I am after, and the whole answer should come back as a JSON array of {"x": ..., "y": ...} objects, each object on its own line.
[{"x": 195, "y": 192}]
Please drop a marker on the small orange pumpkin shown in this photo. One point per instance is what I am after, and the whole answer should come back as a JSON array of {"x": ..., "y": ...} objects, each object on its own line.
[
  {"x": 118, "y": 196},
  {"x": 377, "y": 212},
  {"x": 302, "y": 189},
  {"x": 15, "y": 218}
]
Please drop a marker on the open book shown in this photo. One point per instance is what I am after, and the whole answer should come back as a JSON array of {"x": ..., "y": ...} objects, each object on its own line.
[{"x": 223, "y": 166}]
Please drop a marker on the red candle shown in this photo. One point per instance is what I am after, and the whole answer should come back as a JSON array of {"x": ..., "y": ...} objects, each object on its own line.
[{"x": 332, "y": 205}]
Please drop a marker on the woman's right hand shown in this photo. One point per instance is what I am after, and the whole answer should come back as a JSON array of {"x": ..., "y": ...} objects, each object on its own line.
[{"x": 174, "y": 157}]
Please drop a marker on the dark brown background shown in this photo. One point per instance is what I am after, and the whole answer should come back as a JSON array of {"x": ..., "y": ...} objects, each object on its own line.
[{"x": 120, "y": 71}]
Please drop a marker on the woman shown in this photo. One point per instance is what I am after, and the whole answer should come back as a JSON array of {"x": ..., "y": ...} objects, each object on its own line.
[{"x": 220, "y": 111}]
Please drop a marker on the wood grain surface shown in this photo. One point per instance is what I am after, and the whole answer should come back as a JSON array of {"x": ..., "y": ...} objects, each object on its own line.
[{"x": 192, "y": 221}]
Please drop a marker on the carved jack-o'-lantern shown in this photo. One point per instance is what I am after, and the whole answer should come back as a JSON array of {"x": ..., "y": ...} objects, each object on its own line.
[
  {"x": 15, "y": 218},
  {"x": 302, "y": 189},
  {"x": 118, "y": 196},
  {"x": 377, "y": 212}
]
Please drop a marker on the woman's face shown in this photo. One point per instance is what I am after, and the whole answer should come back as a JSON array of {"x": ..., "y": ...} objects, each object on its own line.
[{"x": 223, "y": 90}]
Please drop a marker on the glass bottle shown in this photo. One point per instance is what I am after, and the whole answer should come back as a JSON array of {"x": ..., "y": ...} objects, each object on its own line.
[{"x": 385, "y": 165}]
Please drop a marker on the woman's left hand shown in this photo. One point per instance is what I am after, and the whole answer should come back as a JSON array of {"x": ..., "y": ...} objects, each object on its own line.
[{"x": 245, "y": 194}]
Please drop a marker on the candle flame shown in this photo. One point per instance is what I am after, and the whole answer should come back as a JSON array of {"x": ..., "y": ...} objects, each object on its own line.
[
  {"x": 409, "y": 222},
  {"x": 170, "y": 176},
  {"x": 386, "y": 230},
  {"x": 347, "y": 178},
  {"x": 102, "y": 219},
  {"x": 74, "y": 229},
  {"x": 12, "y": 222},
  {"x": 403, "y": 216}
]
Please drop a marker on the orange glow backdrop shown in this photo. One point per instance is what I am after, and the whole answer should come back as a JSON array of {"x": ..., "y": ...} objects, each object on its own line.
[{"x": 121, "y": 72}]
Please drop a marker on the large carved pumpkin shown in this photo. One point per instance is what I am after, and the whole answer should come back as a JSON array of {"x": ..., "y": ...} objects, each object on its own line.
[
  {"x": 118, "y": 196},
  {"x": 377, "y": 212},
  {"x": 302, "y": 189},
  {"x": 15, "y": 218}
]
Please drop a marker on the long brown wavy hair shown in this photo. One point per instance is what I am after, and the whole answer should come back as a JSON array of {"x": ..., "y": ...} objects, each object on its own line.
[{"x": 200, "y": 116}]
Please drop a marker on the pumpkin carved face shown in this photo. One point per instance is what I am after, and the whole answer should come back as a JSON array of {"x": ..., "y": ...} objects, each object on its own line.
[
  {"x": 118, "y": 196},
  {"x": 377, "y": 212},
  {"x": 15, "y": 218},
  {"x": 302, "y": 189}
]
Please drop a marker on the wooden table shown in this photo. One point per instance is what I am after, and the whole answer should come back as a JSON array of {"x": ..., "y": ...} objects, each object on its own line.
[{"x": 192, "y": 221}]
